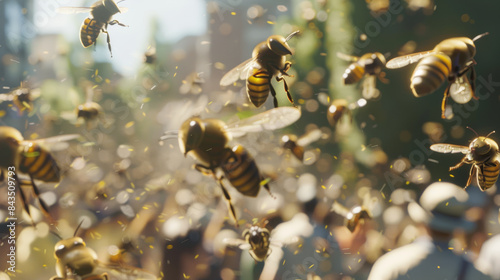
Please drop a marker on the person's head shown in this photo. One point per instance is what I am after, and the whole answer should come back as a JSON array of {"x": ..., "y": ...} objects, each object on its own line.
[{"x": 442, "y": 207}]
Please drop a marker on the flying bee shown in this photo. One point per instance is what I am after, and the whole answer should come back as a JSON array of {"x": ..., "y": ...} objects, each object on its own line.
[
  {"x": 268, "y": 61},
  {"x": 482, "y": 153},
  {"x": 74, "y": 260},
  {"x": 259, "y": 242},
  {"x": 30, "y": 157},
  {"x": 370, "y": 66},
  {"x": 354, "y": 216},
  {"x": 22, "y": 98},
  {"x": 101, "y": 13},
  {"x": 90, "y": 111},
  {"x": 450, "y": 60},
  {"x": 207, "y": 141},
  {"x": 296, "y": 145},
  {"x": 340, "y": 108}
]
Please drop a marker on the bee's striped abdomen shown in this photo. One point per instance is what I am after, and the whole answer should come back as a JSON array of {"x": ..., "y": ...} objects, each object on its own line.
[
  {"x": 353, "y": 74},
  {"x": 89, "y": 31},
  {"x": 489, "y": 176},
  {"x": 241, "y": 170},
  {"x": 258, "y": 86},
  {"x": 430, "y": 73},
  {"x": 38, "y": 163}
]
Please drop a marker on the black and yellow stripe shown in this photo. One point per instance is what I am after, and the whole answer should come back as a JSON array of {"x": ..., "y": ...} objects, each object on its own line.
[
  {"x": 258, "y": 86},
  {"x": 353, "y": 73},
  {"x": 37, "y": 162},
  {"x": 241, "y": 170},
  {"x": 89, "y": 31},
  {"x": 489, "y": 175},
  {"x": 429, "y": 74}
]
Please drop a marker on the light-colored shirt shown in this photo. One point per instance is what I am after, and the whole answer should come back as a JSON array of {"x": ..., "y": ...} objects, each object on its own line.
[
  {"x": 489, "y": 257},
  {"x": 424, "y": 259}
]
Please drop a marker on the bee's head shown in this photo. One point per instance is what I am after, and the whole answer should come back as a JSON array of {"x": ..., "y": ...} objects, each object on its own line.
[
  {"x": 67, "y": 245},
  {"x": 191, "y": 134},
  {"x": 278, "y": 44}
]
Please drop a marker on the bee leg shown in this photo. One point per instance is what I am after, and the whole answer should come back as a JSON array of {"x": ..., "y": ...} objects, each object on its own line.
[
  {"x": 266, "y": 186},
  {"x": 458, "y": 164},
  {"x": 273, "y": 93},
  {"x": 105, "y": 276},
  {"x": 285, "y": 69},
  {"x": 205, "y": 170},
  {"x": 382, "y": 78},
  {"x": 288, "y": 95},
  {"x": 228, "y": 198},
  {"x": 473, "y": 82},
  {"x": 43, "y": 205},
  {"x": 113, "y": 22},
  {"x": 445, "y": 98},
  {"x": 26, "y": 206},
  {"x": 2, "y": 175}
]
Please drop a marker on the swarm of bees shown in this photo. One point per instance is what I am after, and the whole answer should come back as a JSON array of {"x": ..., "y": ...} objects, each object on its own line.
[{"x": 209, "y": 141}]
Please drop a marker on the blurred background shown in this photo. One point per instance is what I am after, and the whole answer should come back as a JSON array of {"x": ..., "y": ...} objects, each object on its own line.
[{"x": 143, "y": 204}]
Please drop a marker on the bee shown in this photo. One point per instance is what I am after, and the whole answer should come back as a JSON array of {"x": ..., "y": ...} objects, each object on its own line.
[
  {"x": 74, "y": 260},
  {"x": 101, "y": 13},
  {"x": 90, "y": 111},
  {"x": 268, "y": 61},
  {"x": 482, "y": 153},
  {"x": 340, "y": 108},
  {"x": 450, "y": 60},
  {"x": 207, "y": 141},
  {"x": 256, "y": 240},
  {"x": 370, "y": 66},
  {"x": 31, "y": 158},
  {"x": 354, "y": 216},
  {"x": 259, "y": 241},
  {"x": 22, "y": 98},
  {"x": 296, "y": 145}
]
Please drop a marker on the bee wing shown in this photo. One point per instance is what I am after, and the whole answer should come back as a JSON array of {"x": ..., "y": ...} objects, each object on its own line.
[
  {"x": 339, "y": 209},
  {"x": 120, "y": 272},
  {"x": 56, "y": 143},
  {"x": 123, "y": 9},
  {"x": 310, "y": 137},
  {"x": 6, "y": 97},
  {"x": 73, "y": 10},
  {"x": 269, "y": 120},
  {"x": 461, "y": 90},
  {"x": 370, "y": 90},
  {"x": 449, "y": 148},
  {"x": 347, "y": 57},
  {"x": 402, "y": 61},
  {"x": 240, "y": 72},
  {"x": 235, "y": 242}
]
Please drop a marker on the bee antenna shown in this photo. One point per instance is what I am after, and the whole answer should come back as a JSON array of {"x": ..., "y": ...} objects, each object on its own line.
[
  {"x": 473, "y": 130},
  {"x": 78, "y": 227},
  {"x": 480, "y": 36},
  {"x": 56, "y": 234},
  {"x": 169, "y": 135},
  {"x": 291, "y": 35},
  {"x": 490, "y": 134}
]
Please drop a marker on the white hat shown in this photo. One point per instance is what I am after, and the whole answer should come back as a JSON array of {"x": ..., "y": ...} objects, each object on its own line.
[{"x": 442, "y": 208}]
